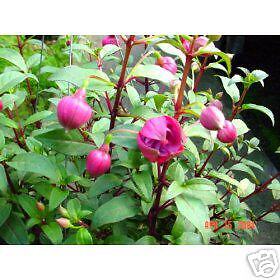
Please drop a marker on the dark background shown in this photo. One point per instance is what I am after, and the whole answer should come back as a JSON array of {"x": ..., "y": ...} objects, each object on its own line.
[{"x": 260, "y": 52}]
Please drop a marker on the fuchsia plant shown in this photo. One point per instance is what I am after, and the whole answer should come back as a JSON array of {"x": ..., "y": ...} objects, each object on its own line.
[
  {"x": 167, "y": 63},
  {"x": 117, "y": 149},
  {"x": 109, "y": 40},
  {"x": 161, "y": 139},
  {"x": 98, "y": 161},
  {"x": 73, "y": 111}
]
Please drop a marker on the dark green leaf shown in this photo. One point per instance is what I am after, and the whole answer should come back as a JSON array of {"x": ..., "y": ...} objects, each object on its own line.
[
  {"x": 53, "y": 232},
  {"x": 104, "y": 183},
  {"x": 115, "y": 210},
  {"x": 57, "y": 196}
]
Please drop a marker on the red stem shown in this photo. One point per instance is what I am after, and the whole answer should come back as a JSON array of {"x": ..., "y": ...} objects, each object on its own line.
[{"x": 200, "y": 74}]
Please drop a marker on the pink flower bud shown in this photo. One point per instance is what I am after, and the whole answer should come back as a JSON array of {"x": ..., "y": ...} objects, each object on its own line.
[
  {"x": 168, "y": 63},
  {"x": 160, "y": 139},
  {"x": 109, "y": 40},
  {"x": 68, "y": 43},
  {"x": 40, "y": 206},
  {"x": 212, "y": 118},
  {"x": 200, "y": 42},
  {"x": 63, "y": 222},
  {"x": 1, "y": 105},
  {"x": 217, "y": 103},
  {"x": 186, "y": 44},
  {"x": 73, "y": 111},
  {"x": 228, "y": 133},
  {"x": 98, "y": 161}
]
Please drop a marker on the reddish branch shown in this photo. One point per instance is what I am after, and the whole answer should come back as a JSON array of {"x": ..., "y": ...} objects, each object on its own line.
[
  {"x": 200, "y": 74},
  {"x": 179, "y": 101},
  {"x": 121, "y": 82},
  {"x": 237, "y": 108},
  {"x": 153, "y": 213}
]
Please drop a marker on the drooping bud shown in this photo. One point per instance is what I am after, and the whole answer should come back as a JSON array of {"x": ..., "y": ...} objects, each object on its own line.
[
  {"x": 1, "y": 105},
  {"x": 200, "y": 42},
  {"x": 68, "y": 43},
  {"x": 228, "y": 133},
  {"x": 98, "y": 161},
  {"x": 40, "y": 206},
  {"x": 63, "y": 222},
  {"x": 168, "y": 63},
  {"x": 63, "y": 212},
  {"x": 217, "y": 103},
  {"x": 109, "y": 40},
  {"x": 212, "y": 118},
  {"x": 73, "y": 111}
]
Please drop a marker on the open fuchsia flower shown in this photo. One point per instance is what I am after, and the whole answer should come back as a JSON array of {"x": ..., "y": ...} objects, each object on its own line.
[
  {"x": 109, "y": 40},
  {"x": 98, "y": 161},
  {"x": 73, "y": 111},
  {"x": 228, "y": 133},
  {"x": 212, "y": 118},
  {"x": 167, "y": 63},
  {"x": 160, "y": 139}
]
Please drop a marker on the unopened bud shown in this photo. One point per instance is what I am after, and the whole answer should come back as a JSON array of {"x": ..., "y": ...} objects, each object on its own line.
[
  {"x": 40, "y": 206},
  {"x": 63, "y": 212},
  {"x": 63, "y": 222}
]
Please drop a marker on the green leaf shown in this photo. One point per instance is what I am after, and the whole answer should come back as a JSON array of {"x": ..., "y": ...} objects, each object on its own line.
[
  {"x": 7, "y": 122},
  {"x": 223, "y": 177},
  {"x": 40, "y": 164},
  {"x": 74, "y": 208},
  {"x": 272, "y": 218},
  {"x": 34, "y": 60},
  {"x": 69, "y": 143},
  {"x": 231, "y": 90},
  {"x": 200, "y": 188},
  {"x": 146, "y": 240},
  {"x": 168, "y": 48},
  {"x": 257, "y": 76},
  {"x": 245, "y": 187},
  {"x": 144, "y": 183},
  {"x": 2, "y": 141},
  {"x": 133, "y": 96},
  {"x": 241, "y": 126},
  {"x": 125, "y": 136},
  {"x": 115, "y": 210},
  {"x": 5, "y": 211},
  {"x": 53, "y": 232},
  {"x": 108, "y": 50},
  {"x": 29, "y": 205},
  {"x": 83, "y": 237},
  {"x": 13, "y": 57},
  {"x": 244, "y": 168},
  {"x": 11, "y": 79},
  {"x": 37, "y": 117},
  {"x": 14, "y": 231},
  {"x": 154, "y": 72},
  {"x": 234, "y": 203},
  {"x": 3, "y": 179},
  {"x": 144, "y": 112},
  {"x": 77, "y": 75},
  {"x": 196, "y": 212},
  {"x": 189, "y": 238},
  {"x": 57, "y": 196},
  {"x": 104, "y": 183},
  {"x": 260, "y": 108},
  {"x": 197, "y": 130}
]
